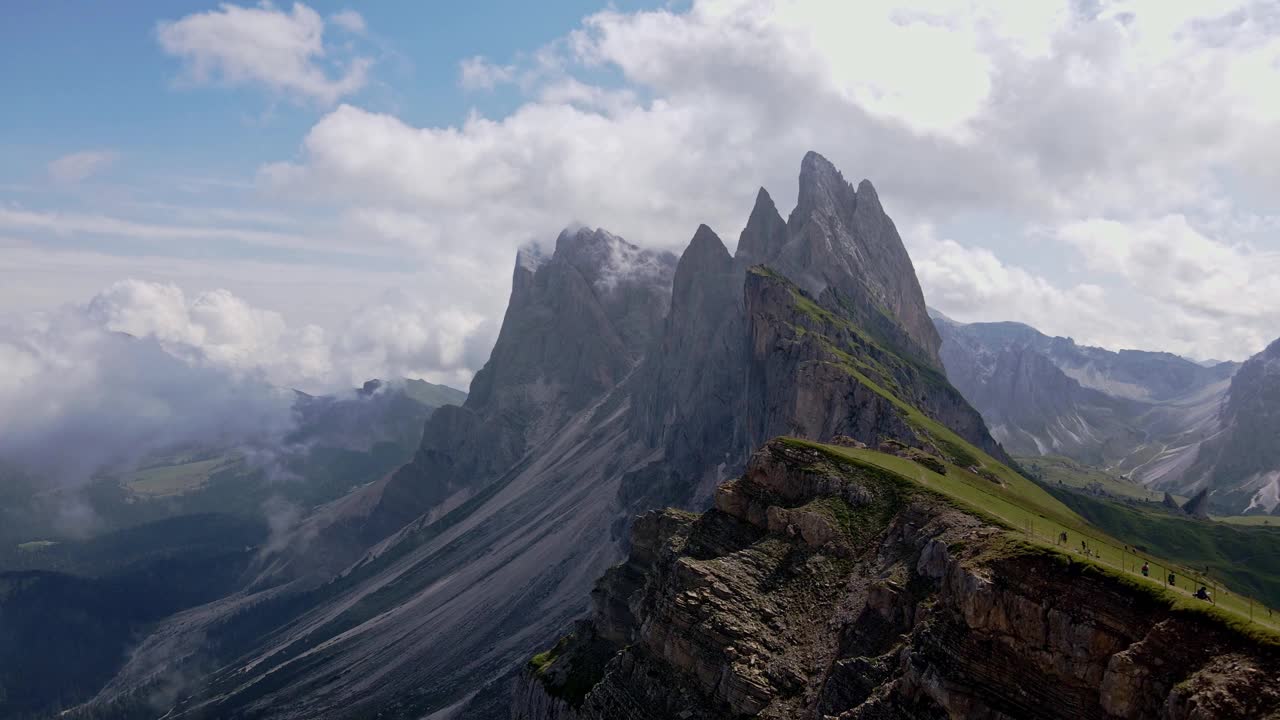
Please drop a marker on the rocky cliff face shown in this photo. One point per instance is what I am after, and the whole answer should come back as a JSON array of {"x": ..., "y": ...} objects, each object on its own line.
[
  {"x": 839, "y": 241},
  {"x": 621, "y": 381},
  {"x": 822, "y": 589},
  {"x": 1140, "y": 414},
  {"x": 748, "y": 354},
  {"x": 1241, "y": 465},
  {"x": 576, "y": 325}
]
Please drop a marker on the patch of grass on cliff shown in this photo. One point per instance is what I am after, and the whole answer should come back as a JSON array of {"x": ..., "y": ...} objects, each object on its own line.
[
  {"x": 571, "y": 667},
  {"x": 861, "y": 523}
]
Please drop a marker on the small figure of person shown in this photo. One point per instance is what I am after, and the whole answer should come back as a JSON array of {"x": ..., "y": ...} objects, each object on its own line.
[
  {"x": 1203, "y": 593},
  {"x": 1172, "y": 580},
  {"x": 1146, "y": 570}
]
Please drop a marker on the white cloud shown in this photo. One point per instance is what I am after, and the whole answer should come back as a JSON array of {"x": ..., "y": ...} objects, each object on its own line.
[
  {"x": 349, "y": 20},
  {"x": 283, "y": 51},
  {"x": 77, "y": 397},
  {"x": 971, "y": 284},
  {"x": 1221, "y": 297},
  {"x": 1040, "y": 114},
  {"x": 79, "y": 166},
  {"x": 477, "y": 73},
  {"x": 396, "y": 335},
  {"x": 93, "y": 225}
]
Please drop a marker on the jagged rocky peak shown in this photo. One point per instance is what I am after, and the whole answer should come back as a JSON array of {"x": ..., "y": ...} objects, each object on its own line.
[
  {"x": 823, "y": 189},
  {"x": 839, "y": 240},
  {"x": 764, "y": 234},
  {"x": 608, "y": 261},
  {"x": 580, "y": 317},
  {"x": 577, "y": 324},
  {"x": 705, "y": 282},
  {"x": 1242, "y": 463},
  {"x": 705, "y": 251}
]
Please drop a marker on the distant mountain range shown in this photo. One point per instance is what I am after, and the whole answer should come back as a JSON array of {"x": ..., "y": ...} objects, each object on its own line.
[{"x": 1156, "y": 418}]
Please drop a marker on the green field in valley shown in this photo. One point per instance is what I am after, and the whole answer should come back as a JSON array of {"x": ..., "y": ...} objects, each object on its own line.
[
  {"x": 175, "y": 479},
  {"x": 1053, "y": 469}
]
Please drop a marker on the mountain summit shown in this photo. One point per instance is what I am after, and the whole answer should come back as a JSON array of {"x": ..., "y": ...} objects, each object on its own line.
[{"x": 839, "y": 240}]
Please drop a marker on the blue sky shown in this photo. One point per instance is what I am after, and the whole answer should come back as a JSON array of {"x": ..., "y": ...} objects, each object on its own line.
[
  {"x": 329, "y": 191},
  {"x": 74, "y": 79}
]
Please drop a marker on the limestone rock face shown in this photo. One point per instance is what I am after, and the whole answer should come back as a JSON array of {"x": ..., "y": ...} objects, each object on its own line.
[
  {"x": 577, "y": 324},
  {"x": 1241, "y": 466},
  {"x": 839, "y": 239},
  {"x": 919, "y": 611},
  {"x": 745, "y": 352}
]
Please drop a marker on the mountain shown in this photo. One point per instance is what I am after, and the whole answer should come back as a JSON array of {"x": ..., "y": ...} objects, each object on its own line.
[
  {"x": 1142, "y": 415},
  {"x": 622, "y": 379},
  {"x": 433, "y": 395},
  {"x": 836, "y": 583},
  {"x": 1240, "y": 466}
]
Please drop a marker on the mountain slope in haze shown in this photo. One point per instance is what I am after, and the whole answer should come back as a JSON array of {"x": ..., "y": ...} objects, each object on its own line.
[
  {"x": 337, "y": 442},
  {"x": 621, "y": 380},
  {"x": 72, "y": 608},
  {"x": 1140, "y": 414}
]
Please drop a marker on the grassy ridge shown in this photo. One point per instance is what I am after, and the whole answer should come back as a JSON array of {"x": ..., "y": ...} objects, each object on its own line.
[
  {"x": 1022, "y": 509},
  {"x": 1245, "y": 558}
]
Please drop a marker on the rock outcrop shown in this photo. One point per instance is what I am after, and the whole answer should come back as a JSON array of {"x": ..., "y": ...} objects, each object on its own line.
[
  {"x": 823, "y": 589},
  {"x": 576, "y": 325},
  {"x": 1241, "y": 465}
]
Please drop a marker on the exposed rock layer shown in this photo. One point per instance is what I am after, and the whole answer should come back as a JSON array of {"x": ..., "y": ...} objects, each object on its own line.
[{"x": 771, "y": 606}]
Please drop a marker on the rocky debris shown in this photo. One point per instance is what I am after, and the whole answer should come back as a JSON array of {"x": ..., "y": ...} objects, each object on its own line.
[
  {"x": 846, "y": 441},
  {"x": 753, "y": 609},
  {"x": 1198, "y": 505}
]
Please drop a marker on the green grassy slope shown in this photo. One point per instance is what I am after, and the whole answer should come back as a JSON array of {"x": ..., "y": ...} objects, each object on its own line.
[
  {"x": 980, "y": 483},
  {"x": 1245, "y": 558},
  {"x": 1242, "y": 553},
  {"x": 1053, "y": 470},
  {"x": 1036, "y": 519}
]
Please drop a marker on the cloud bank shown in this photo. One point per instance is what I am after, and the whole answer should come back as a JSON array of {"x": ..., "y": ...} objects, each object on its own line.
[
  {"x": 141, "y": 368},
  {"x": 1058, "y": 118}
]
